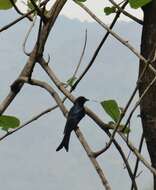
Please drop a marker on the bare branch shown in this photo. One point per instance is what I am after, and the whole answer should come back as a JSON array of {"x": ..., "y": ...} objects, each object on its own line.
[
  {"x": 98, "y": 49},
  {"x": 92, "y": 115},
  {"x": 45, "y": 25},
  {"x": 77, "y": 131},
  {"x": 34, "y": 118},
  {"x": 21, "y": 18},
  {"x": 93, "y": 160},
  {"x": 39, "y": 12},
  {"x": 118, "y": 123},
  {"x": 82, "y": 55},
  {"x": 140, "y": 99},
  {"x": 27, "y": 35},
  {"x": 36, "y": 53},
  {"x": 126, "y": 13},
  {"x": 18, "y": 11},
  {"x": 121, "y": 40},
  {"x": 137, "y": 161}
]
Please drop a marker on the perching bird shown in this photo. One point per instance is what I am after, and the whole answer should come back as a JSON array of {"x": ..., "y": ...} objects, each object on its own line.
[{"x": 76, "y": 113}]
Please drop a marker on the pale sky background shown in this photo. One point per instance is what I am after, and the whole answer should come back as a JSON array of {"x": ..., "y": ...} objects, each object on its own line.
[
  {"x": 28, "y": 159},
  {"x": 73, "y": 11}
]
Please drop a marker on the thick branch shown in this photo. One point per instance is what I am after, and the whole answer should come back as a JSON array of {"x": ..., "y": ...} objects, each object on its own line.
[
  {"x": 77, "y": 131},
  {"x": 37, "y": 52},
  {"x": 93, "y": 116}
]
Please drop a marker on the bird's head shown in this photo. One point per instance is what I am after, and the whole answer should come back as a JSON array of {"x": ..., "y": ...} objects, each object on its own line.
[{"x": 81, "y": 100}]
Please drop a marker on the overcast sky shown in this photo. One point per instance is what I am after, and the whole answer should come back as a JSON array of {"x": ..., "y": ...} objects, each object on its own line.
[
  {"x": 72, "y": 10},
  {"x": 28, "y": 159}
]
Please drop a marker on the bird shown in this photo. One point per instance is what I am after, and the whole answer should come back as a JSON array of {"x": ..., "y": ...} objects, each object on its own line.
[{"x": 76, "y": 113}]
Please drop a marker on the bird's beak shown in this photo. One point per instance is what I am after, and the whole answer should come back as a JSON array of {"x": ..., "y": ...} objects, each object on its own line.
[{"x": 87, "y": 99}]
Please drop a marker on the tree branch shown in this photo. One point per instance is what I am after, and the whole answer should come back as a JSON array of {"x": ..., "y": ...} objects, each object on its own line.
[
  {"x": 126, "y": 13},
  {"x": 121, "y": 40},
  {"x": 98, "y": 48},
  {"x": 92, "y": 115},
  {"x": 137, "y": 161},
  {"x": 36, "y": 53}
]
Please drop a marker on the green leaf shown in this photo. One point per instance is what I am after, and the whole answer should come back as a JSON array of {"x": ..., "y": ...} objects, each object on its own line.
[
  {"x": 109, "y": 10},
  {"x": 6, "y": 4},
  {"x": 112, "y": 109},
  {"x": 8, "y": 122},
  {"x": 71, "y": 81},
  {"x": 138, "y": 3}
]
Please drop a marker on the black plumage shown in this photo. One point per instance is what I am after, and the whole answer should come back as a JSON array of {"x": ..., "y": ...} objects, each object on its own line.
[{"x": 76, "y": 113}]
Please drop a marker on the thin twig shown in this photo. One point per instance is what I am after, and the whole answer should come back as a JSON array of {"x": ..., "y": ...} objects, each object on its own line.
[
  {"x": 39, "y": 12},
  {"x": 93, "y": 160},
  {"x": 58, "y": 100},
  {"x": 98, "y": 48},
  {"x": 38, "y": 116},
  {"x": 18, "y": 11},
  {"x": 124, "y": 112},
  {"x": 125, "y": 160},
  {"x": 21, "y": 18},
  {"x": 53, "y": 93},
  {"x": 82, "y": 55},
  {"x": 118, "y": 123},
  {"x": 129, "y": 46},
  {"x": 34, "y": 118},
  {"x": 92, "y": 115},
  {"x": 37, "y": 52},
  {"x": 77, "y": 131},
  {"x": 115, "y": 35},
  {"x": 27, "y": 35},
  {"x": 103, "y": 126},
  {"x": 126, "y": 13},
  {"x": 140, "y": 99},
  {"x": 137, "y": 161}
]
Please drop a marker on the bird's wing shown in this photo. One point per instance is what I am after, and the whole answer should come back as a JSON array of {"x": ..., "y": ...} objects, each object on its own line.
[
  {"x": 74, "y": 116},
  {"x": 70, "y": 125}
]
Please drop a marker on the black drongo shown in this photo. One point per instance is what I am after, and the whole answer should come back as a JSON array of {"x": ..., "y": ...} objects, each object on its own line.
[{"x": 76, "y": 113}]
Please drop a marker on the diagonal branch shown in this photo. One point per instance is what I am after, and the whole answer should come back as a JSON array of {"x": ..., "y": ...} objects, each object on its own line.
[
  {"x": 18, "y": 11},
  {"x": 77, "y": 131},
  {"x": 34, "y": 118},
  {"x": 79, "y": 134},
  {"x": 121, "y": 40},
  {"x": 37, "y": 52},
  {"x": 82, "y": 55},
  {"x": 137, "y": 161},
  {"x": 91, "y": 114},
  {"x": 39, "y": 12},
  {"x": 21, "y": 17},
  {"x": 140, "y": 99},
  {"x": 126, "y": 13},
  {"x": 98, "y": 48}
]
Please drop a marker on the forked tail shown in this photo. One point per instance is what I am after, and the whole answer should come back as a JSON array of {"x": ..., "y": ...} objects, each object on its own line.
[{"x": 64, "y": 143}]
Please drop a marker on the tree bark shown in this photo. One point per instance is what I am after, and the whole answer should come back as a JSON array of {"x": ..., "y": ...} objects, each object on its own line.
[{"x": 148, "y": 104}]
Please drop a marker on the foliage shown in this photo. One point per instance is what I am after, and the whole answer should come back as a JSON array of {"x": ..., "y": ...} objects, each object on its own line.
[
  {"x": 6, "y": 4},
  {"x": 109, "y": 10},
  {"x": 138, "y": 3},
  {"x": 114, "y": 111},
  {"x": 111, "y": 107},
  {"x": 9, "y": 122}
]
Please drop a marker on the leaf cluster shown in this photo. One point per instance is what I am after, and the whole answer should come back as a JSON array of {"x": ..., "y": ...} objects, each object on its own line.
[{"x": 114, "y": 111}]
